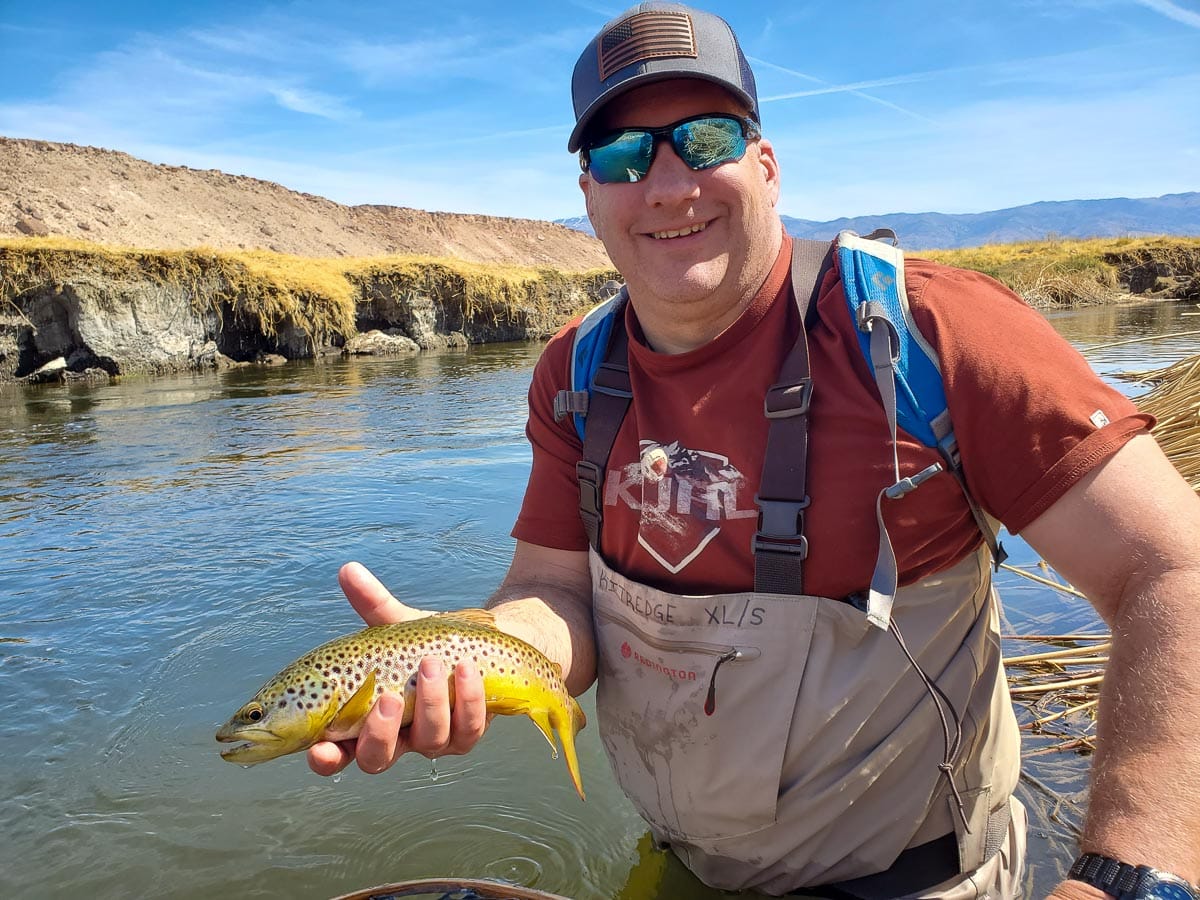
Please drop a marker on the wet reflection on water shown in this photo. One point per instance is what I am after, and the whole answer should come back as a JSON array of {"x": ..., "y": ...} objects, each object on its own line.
[{"x": 169, "y": 543}]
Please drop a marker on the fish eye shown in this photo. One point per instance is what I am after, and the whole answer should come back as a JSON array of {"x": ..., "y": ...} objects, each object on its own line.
[{"x": 254, "y": 714}]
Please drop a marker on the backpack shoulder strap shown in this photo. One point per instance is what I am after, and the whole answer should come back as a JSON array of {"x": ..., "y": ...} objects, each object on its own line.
[
  {"x": 908, "y": 376},
  {"x": 599, "y": 393},
  {"x": 588, "y": 350}
]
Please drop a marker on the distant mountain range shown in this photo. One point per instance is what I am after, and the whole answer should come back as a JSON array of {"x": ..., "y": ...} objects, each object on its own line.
[{"x": 1177, "y": 214}]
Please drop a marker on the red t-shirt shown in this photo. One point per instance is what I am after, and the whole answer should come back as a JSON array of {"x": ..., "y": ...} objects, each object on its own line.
[{"x": 679, "y": 509}]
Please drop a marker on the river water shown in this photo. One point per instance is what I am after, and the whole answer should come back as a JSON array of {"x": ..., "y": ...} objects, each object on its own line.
[{"x": 167, "y": 544}]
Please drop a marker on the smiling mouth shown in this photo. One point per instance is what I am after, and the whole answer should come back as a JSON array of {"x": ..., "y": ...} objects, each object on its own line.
[{"x": 683, "y": 232}]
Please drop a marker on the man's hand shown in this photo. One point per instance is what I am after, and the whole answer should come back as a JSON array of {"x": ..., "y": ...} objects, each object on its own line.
[{"x": 437, "y": 729}]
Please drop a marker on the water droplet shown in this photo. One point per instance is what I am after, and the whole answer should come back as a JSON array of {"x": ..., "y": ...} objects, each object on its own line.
[
  {"x": 433, "y": 772},
  {"x": 336, "y": 778}
]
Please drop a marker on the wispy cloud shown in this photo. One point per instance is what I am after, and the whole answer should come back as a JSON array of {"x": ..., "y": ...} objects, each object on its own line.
[
  {"x": 382, "y": 62},
  {"x": 312, "y": 103},
  {"x": 1172, "y": 11}
]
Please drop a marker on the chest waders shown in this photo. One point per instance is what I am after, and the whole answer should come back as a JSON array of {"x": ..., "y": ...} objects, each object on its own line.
[{"x": 834, "y": 751}]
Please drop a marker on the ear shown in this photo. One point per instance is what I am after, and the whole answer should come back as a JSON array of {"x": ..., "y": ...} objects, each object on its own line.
[
  {"x": 770, "y": 168},
  {"x": 587, "y": 185}
]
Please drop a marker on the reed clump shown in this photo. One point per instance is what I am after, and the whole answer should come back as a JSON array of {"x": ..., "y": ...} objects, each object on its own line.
[
  {"x": 1174, "y": 401},
  {"x": 1054, "y": 680}
]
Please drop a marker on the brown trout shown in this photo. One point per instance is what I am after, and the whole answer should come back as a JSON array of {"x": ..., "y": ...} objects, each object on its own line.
[{"x": 325, "y": 694}]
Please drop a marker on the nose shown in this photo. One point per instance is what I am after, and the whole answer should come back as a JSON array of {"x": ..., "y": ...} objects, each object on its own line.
[{"x": 669, "y": 180}]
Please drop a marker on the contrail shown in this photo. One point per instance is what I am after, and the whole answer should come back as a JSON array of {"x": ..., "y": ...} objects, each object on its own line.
[
  {"x": 855, "y": 89},
  {"x": 1171, "y": 11}
]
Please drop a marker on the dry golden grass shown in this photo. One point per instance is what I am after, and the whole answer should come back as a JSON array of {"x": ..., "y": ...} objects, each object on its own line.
[
  {"x": 1064, "y": 272},
  {"x": 266, "y": 289},
  {"x": 1175, "y": 403}
]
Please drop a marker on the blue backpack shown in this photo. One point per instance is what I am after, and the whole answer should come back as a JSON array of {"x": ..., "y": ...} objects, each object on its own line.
[{"x": 907, "y": 374}]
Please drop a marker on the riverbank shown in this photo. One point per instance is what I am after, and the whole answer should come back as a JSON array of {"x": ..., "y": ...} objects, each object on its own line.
[
  {"x": 74, "y": 309},
  {"x": 71, "y": 309},
  {"x": 1054, "y": 273}
]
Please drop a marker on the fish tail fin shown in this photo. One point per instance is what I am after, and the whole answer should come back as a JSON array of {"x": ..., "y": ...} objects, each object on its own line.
[{"x": 568, "y": 719}]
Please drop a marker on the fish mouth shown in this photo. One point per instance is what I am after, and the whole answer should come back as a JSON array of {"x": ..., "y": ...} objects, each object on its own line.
[{"x": 250, "y": 746}]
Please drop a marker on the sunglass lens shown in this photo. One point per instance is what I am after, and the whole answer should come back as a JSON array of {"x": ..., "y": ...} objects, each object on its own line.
[
  {"x": 708, "y": 142},
  {"x": 625, "y": 158}
]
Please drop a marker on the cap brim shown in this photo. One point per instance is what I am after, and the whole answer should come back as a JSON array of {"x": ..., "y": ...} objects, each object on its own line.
[{"x": 634, "y": 81}]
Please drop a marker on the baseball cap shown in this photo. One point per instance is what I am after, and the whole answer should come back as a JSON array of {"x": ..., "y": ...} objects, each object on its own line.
[{"x": 655, "y": 41}]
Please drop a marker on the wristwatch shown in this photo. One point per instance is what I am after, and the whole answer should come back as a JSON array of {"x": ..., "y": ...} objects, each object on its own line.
[{"x": 1126, "y": 882}]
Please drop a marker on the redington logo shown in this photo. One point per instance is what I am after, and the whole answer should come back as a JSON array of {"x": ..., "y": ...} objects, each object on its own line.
[{"x": 628, "y": 652}]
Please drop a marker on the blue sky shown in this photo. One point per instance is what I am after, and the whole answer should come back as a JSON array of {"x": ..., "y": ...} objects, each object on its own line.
[{"x": 464, "y": 106}]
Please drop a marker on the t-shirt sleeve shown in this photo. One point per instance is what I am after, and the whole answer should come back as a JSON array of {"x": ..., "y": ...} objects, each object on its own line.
[
  {"x": 1030, "y": 415},
  {"x": 549, "y": 514}
]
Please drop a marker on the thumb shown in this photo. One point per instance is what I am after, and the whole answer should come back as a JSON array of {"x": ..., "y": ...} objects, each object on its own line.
[{"x": 370, "y": 599}]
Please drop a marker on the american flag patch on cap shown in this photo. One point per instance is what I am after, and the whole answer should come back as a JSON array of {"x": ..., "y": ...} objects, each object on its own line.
[{"x": 647, "y": 35}]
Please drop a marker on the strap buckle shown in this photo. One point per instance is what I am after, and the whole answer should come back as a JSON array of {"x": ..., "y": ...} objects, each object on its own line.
[
  {"x": 589, "y": 476},
  {"x": 781, "y": 526},
  {"x": 788, "y": 399},
  {"x": 767, "y": 544},
  {"x": 567, "y": 402}
]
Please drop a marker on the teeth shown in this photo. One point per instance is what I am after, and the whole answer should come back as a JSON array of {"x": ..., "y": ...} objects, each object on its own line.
[{"x": 663, "y": 235}]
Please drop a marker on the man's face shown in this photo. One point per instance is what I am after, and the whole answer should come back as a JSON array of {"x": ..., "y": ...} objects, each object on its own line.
[{"x": 680, "y": 236}]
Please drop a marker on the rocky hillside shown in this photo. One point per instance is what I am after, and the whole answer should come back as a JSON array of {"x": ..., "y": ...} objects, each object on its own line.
[{"x": 112, "y": 198}]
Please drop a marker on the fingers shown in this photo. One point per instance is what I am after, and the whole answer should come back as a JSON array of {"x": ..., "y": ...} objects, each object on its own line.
[
  {"x": 440, "y": 726},
  {"x": 470, "y": 717},
  {"x": 327, "y": 758},
  {"x": 430, "y": 732},
  {"x": 370, "y": 599},
  {"x": 380, "y": 742}
]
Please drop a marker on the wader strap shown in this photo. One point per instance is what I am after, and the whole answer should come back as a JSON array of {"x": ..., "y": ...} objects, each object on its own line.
[
  {"x": 611, "y": 395},
  {"x": 780, "y": 546}
]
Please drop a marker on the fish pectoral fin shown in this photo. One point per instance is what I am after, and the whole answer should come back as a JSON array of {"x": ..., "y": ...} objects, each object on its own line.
[
  {"x": 541, "y": 719},
  {"x": 356, "y": 707},
  {"x": 482, "y": 617},
  {"x": 516, "y": 706},
  {"x": 508, "y": 706}
]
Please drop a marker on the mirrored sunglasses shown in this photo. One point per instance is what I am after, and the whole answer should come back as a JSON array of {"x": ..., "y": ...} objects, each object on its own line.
[{"x": 700, "y": 141}]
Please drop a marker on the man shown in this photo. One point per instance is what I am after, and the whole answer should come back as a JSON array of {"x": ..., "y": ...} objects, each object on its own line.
[{"x": 777, "y": 739}]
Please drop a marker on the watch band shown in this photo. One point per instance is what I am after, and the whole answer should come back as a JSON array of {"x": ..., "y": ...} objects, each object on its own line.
[
  {"x": 1126, "y": 882},
  {"x": 1113, "y": 877}
]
